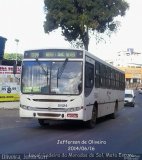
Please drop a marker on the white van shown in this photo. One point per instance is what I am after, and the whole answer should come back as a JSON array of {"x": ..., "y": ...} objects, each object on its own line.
[
  {"x": 129, "y": 98},
  {"x": 140, "y": 90}
]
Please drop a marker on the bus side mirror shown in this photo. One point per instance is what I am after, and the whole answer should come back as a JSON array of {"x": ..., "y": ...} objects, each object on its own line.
[{"x": 15, "y": 67}]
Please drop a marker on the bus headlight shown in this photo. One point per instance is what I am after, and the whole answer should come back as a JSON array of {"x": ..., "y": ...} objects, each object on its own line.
[
  {"x": 74, "y": 109},
  {"x": 25, "y": 107}
]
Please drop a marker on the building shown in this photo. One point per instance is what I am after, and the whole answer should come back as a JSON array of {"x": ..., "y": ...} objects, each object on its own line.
[
  {"x": 131, "y": 63},
  {"x": 9, "y": 83}
]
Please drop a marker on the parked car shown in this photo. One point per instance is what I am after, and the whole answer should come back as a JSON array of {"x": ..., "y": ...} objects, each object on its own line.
[
  {"x": 129, "y": 98},
  {"x": 140, "y": 90}
]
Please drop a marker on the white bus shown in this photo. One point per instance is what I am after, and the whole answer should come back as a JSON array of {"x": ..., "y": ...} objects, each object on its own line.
[{"x": 69, "y": 84}]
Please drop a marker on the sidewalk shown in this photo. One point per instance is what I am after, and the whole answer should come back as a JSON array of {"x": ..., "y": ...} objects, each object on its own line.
[{"x": 9, "y": 105}]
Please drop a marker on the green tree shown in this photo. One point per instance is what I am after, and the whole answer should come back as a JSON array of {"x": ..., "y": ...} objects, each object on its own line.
[
  {"x": 77, "y": 18},
  {"x": 13, "y": 56}
]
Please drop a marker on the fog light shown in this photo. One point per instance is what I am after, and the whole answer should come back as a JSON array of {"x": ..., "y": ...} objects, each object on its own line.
[{"x": 34, "y": 114}]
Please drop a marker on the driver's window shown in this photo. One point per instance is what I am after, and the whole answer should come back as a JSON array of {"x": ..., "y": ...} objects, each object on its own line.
[{"x": 89, "y": 78}]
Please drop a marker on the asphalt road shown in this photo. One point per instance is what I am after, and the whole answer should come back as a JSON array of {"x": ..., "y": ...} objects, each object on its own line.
[{"x": 120, "y": 135}]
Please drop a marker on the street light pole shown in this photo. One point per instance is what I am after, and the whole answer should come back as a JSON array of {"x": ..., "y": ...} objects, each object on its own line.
[{"x": 17, "y": 41}]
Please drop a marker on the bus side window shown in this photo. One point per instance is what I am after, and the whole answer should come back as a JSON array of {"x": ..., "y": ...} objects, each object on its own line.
[
  {"x": 89, "y": 78},
  {"x": 97, "y": 74}
]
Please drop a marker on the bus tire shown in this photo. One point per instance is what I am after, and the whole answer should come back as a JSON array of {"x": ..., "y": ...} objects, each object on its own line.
[
  {"x": 42, "y": 122},
  {"x": 92, "y": 122},
  {"x": 114, "y": 114}
]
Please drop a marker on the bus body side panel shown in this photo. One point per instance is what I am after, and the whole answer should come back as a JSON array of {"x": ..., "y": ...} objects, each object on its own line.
[{"x": 106, "y": 98}]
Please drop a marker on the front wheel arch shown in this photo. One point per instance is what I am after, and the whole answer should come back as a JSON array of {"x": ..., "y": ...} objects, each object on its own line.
[{"x": 92, "y": 122}]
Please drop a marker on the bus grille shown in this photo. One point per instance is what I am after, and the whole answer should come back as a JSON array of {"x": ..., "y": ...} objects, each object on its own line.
[
  {"x": 48, "y": 115},
  {"x": 51, "y": 109},
  {"x": 50, "y": 100}
]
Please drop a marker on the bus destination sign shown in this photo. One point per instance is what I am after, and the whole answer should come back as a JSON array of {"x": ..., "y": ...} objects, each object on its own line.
[{"x": 53, "y": 53}]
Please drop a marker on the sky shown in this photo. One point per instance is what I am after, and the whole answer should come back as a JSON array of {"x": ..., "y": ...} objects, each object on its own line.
[{"x": 23, "y": 20}]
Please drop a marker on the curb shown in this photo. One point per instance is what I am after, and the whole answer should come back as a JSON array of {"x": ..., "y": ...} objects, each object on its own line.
[{"x": 9, "y": 105}]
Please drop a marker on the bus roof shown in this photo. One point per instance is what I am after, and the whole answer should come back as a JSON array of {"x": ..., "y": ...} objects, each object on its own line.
[
  {"x": 89, "y": 54},
  {"x": 102, "y": 61}
]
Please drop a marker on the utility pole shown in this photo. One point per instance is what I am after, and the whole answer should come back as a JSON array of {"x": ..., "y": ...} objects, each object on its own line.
[{"x": 17, "y": 42}]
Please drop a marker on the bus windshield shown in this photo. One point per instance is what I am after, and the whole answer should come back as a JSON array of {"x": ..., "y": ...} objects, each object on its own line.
[{"x": 42, "y": 78}]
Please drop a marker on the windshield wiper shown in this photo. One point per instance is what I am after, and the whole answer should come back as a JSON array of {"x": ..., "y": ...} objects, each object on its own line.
[
  {"x": 61, "y": 70},
  {"x": 44, "y": 71}
]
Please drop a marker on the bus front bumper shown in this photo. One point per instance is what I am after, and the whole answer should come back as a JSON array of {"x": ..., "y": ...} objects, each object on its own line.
[{"x": 75, "y": 113}]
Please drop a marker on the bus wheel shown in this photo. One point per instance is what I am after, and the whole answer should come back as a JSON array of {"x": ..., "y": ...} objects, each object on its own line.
[
  {"x": 43, "y": 122},
  {"x": 92, "y": 122}
]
